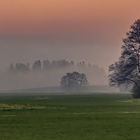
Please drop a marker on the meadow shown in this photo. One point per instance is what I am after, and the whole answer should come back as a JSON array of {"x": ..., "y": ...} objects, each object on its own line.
[{"x": 70, "y": 117}]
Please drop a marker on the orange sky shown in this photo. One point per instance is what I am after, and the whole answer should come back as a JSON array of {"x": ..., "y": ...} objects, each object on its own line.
[{"x": 35, "y": 16}]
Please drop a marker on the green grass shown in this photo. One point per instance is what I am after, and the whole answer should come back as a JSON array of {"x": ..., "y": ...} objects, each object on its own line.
[{"x": 70, "y": 117}]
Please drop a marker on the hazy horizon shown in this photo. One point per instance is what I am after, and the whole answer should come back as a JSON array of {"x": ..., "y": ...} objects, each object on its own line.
[{"x": 79, "y": 30}]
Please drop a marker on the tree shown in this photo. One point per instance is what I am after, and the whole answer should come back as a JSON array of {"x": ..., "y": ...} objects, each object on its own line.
[
  {"x": 22, "y": 68},
  {"x": 37, "y": 66},
  {"x": 11, "y": 68},
  {"x": 74, "y": 80},
  {"x": 46, "y": 65},
  {"x": 127, "y": 69}
]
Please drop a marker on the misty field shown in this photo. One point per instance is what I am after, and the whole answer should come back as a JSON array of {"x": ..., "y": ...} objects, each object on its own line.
[{"x": 70, "y": 117}]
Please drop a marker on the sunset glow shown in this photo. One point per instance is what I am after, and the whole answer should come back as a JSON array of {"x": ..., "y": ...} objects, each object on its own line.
[
  {"x": 89, "y": 26},
  {"x": 29, "y": 16}
]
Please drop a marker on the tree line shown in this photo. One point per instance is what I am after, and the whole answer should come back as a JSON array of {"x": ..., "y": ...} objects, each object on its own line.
[
  {"x": 39, "y": 66},
  {"x": 45, "y": 65}
]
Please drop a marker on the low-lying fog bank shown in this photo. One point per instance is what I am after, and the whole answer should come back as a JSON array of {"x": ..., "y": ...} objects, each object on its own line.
[{"x": 50, "y": 78}]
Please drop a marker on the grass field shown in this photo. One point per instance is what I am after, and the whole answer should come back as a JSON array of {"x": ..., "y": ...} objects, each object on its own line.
[{"x": 70, "y": 117}]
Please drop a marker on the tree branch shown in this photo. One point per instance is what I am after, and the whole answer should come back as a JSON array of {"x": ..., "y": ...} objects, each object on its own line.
[{"x": 136, "y": 84}]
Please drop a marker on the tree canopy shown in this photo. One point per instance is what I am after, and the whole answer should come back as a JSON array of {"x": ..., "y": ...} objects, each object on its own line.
[
  {"x": 74, "y": 80},
  {"x": 127, "y": 69}
]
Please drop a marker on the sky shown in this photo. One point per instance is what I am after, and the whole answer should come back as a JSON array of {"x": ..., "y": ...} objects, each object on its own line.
[{"x": 89, "y": 30}]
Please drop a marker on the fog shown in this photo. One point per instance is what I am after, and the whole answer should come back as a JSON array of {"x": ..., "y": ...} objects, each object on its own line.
[
  {"x": 27, "y": 51},
  {"x": 23, "y": 51},
  {"x": 50, "y": 78},
  {"x": 78, "y": 30}
]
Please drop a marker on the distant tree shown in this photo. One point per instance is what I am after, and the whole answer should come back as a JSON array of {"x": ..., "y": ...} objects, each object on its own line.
[
  {"x": 127, "y": 69},
  {"x": 20, "y": 67},
  {"x": 74, "y": 80},
  {"x": 11, "y": 68},
  {"x": 46, "y": 65},
  {"x": 72, "y": 63},
  {"x": 37, "y": 66}
]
